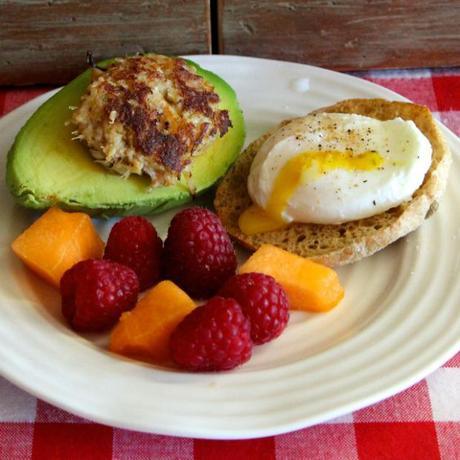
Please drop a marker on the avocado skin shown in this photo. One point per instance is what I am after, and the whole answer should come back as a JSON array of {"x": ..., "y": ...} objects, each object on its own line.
[{"x": 45, "y": 167}]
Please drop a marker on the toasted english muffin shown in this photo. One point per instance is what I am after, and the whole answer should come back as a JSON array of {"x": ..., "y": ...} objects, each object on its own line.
[{"x": 342, "y": 244}]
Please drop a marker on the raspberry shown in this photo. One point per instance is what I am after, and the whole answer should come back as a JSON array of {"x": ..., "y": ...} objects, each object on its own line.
[
  {"x": 198, "y": 253},
  {"x": 134, "y": 242},
  {"x": 96, "y": 292},
  {"x": 263, "y": 301},
  {"x": 213, "y": 337}
]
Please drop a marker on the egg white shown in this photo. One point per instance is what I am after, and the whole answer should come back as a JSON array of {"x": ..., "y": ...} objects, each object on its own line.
[{"x": 341, "y": 195}]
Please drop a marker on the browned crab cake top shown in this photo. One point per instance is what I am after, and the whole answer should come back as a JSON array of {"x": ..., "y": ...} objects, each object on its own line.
[{"x": 149, "y": 114}]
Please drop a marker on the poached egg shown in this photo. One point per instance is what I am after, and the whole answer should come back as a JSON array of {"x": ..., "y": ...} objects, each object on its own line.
[{"x": 331, "y": 168}]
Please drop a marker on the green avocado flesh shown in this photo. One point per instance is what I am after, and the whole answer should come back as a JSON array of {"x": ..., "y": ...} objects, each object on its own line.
[{"x": 47, "y": 168}]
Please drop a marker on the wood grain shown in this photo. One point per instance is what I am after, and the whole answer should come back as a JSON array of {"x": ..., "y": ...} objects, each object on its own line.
[
  {"x": 46, "y": 41},
  {"x": 344, "y": 34}
]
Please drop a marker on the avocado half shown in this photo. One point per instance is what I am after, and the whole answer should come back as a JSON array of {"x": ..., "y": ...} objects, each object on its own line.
[{"x": 47, "y": 168}]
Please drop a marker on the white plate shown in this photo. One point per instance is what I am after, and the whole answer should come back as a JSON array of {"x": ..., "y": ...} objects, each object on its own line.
[{"x": 399, "y": 320}]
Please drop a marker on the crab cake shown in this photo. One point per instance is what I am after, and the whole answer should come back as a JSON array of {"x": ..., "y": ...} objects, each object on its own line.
[{"x": 151, "y": 115}]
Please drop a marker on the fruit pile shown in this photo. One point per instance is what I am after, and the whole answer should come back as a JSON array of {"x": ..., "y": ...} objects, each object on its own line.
[{"x": 100, "y": 286}]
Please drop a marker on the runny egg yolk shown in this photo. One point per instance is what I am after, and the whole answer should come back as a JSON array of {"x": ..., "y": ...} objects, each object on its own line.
[{"x": 303, "y": 168}]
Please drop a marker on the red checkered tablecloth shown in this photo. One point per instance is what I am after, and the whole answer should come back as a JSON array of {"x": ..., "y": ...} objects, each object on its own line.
[{"x": 422, "y": 422}]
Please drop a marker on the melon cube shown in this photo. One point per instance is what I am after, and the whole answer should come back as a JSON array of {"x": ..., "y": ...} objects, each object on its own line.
[
  {"x": 143, "y": 333},
  {"x": 310, "y": 286},
  {"x": 57, "y": 241}
]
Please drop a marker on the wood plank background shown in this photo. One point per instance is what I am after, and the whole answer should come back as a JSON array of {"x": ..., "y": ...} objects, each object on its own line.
[
  {"x": 46, "y": 41},
  {"x": 344, "y": 34}
]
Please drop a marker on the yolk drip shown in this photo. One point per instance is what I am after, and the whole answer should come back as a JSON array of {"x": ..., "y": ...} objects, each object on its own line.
[{"x": 301, "y": 169}]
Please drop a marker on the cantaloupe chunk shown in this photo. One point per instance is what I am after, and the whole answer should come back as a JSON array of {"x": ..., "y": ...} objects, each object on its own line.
[
  {"x": 310, "y": 286},
  {"x": 144, "y": 332},
  {"x": 57, "y": 241}
]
